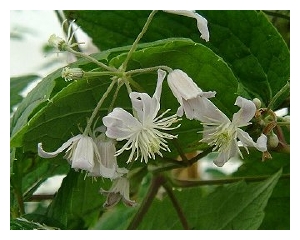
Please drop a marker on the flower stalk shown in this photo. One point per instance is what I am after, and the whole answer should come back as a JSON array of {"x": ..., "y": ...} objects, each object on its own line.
[
  {"x": 97, "y": 108},
  {"x": 141, "y": 34}
]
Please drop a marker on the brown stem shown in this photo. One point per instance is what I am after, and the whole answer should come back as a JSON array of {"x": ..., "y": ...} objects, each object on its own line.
[
  {"x": 157, "y": 181},
  {"x": 177, "y": 207}
]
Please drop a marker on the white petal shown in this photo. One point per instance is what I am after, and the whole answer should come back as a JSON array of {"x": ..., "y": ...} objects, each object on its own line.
[
  {"x": 209, "y": 113},
  {"x": 120, "y": 124},
  {"x": 45, "y": 154},
  {"x": 245, "y": 138},
  {"x": 160, "y": 77},
  {"x": 201, "y": 21},
  {"x": 145, "y": 106},
  {"x": 224, "y": 156},
  {"x": 84, "y": 153},
  {"x": 182, "y": 86},
  {"x": 261, "y": 143},
  {"x": 245, "y": 114}
]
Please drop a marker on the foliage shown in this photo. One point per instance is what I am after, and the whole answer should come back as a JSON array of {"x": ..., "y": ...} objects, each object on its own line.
[{"x": 245, "y": 56}]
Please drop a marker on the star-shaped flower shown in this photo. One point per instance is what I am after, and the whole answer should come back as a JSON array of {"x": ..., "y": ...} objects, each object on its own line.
[{"x": 145, "y": 131}]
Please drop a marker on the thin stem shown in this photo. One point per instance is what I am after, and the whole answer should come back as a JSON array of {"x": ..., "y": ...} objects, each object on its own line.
[
  {"x": 177, "y": 207},
  {"x": 114, "y": 98},
  {"x": 173, "y": 163},
  {"x": 40, "y": 197},
  {"x": 192, "y": 183},
  {"x": 149, "y": 69},
  {"x": 157, "y": 181},
  {"x": 96, "y": 110},
  {"x": 100, "y": 64},
  {"x": 98, "y": 74},
  {"x": 134, "y": 45},
  {"x": 278, "y": 94},
  {"x": 180, "y": 151}
]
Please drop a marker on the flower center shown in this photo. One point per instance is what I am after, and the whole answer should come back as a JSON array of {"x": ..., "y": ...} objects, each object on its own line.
[{"x": 220, "y": 136}]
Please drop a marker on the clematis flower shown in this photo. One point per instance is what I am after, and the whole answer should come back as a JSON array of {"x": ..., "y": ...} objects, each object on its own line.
[
  {"x": 193, "y": 101},
  {"x": 106, "y": 165},
  {"x": 81, "y": 152},
  {"x": 144, "y": 130},
  {"x": 223, "y": 134},
  {"x": 201, "y": 21},
  {"x": 119, "y": 190}
]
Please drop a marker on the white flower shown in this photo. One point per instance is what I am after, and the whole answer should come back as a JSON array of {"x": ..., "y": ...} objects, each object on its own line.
[
  {"x": 72, "y": 73},
  {"x": 193, "y": 101},
  {"x": 221, "y": 133},
  {"x": 106, "y": 165},
  {"x": 201, "y": 21},
  {"x": 81, "y": 153},
  {"x": 118, "y": 191},
  {"x": 143, "y": 132}
]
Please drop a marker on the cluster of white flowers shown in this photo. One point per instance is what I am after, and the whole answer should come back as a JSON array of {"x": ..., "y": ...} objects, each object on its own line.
[{"x": 144, "y": 132}]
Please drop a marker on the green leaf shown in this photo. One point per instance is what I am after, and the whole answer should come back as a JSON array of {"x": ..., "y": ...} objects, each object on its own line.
[
  {"x": 78, "y": 202},
  {"x": 278, "y": 208},
  {"x": 253, "y": 48},
  {"x": 17, "y": 84},
  {"x": 24, "y": 224},
  {"x": 233, "y": 206}
]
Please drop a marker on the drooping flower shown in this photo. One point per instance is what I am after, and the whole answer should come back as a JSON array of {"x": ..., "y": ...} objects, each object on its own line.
[
  {"x": 201, "y": 21},
  {"x": 81, "y": 152},
  {"x": 143, "y": 131},
  {"x": 106, "y": 165},
  {"x": 223, "y": 134},
  {"x": 118, "y": 191},
  {"x": 193, "y": 101}
]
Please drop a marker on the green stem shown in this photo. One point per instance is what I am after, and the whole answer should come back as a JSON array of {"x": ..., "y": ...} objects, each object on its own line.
[
  {"x": 98, "y": 74},
  {"x": 157, "y": 181},
  {"x": 193, "y": 183},
  {"x": 278, "y": 94},
  {"x": 114, "y": 98},
  {"x": 93, "y": 60},
  {"x": 96, "y": 110},
  {"x": 177, "y": 207},
  {"x": 149, "y": 69},
  {"x": 134, "y": 45}
]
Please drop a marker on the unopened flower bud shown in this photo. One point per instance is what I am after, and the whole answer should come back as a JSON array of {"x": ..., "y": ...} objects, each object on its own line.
[
  {"x": 257, "y": 103},
  {"x": 273, "y": 140},
  {"x": 72, "y": 73},
  {"x": 56, "y": 42}
]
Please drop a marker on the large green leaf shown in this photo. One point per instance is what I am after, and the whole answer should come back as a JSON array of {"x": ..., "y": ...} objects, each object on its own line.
[
  {"x": 78, "y": 202},
  {"x": 233, "y": 206},
  {"x": 246, "y": 40},
  {"x": 278, "y": 208}
]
